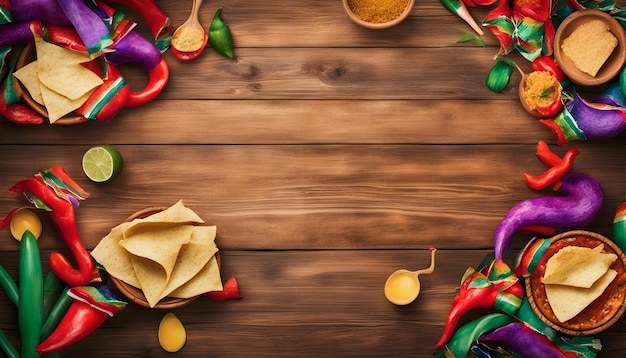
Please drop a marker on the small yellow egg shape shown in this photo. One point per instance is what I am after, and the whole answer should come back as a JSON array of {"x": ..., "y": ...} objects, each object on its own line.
[
  {"x": 23, "y": 220},
  {"x": 172, "y": 335}
]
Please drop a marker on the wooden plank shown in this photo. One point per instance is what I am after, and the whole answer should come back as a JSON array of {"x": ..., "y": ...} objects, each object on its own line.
[
  {"x": 281, "y": 23},
  {"x": 298, "y": 122},
  {"x": 320, "y": 197},
  {"x": 294, "y": 300}
]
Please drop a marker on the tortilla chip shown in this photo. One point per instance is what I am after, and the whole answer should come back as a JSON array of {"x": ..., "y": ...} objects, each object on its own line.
[
  {"x": 159, "y": 242},
  {"x": 115, "y": 259},
  {"x": 568, "y": 301},
  {"x": 58, "y": 105},
  {"x": 208, "y": 279},
  {"x": 59, "y": 69},
  {"x": 177, "y": 213},
  {"x": 163, "y": 254},
  {"x": 29, "y": 77},
  {"x": 577, "y": 266},
  {"x": 192, "y": 257}
]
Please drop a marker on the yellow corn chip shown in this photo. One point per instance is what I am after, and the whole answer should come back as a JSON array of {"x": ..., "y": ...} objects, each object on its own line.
[
  {"x": 577, "y": 266},
  {"x": 29, "y": 77},
  {"x": 60, "y": 70},
  {"x": 568, "y": 301}
]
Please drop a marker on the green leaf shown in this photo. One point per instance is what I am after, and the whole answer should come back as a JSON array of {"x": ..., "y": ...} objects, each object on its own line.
[
  {"x": 471, "y": 37},
  {"x": 546, "y": 92}
]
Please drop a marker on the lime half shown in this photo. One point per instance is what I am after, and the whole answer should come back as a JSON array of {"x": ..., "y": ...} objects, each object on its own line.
[{"x": 102, "y": 163}]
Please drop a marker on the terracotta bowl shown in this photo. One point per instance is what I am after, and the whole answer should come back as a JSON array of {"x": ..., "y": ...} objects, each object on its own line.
[
  {"x": 601, "y": 313},
  {"x": 613, "y": 64},
  {"x": 27, "y": 56},
  {"x": 135, "y": 294},
  {"x": 377, "y": 26}
]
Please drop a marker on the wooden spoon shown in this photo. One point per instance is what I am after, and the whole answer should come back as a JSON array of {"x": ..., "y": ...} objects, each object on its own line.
[
  {"x": 403, "y": 286},
  {"x": 190, "y": 26}
]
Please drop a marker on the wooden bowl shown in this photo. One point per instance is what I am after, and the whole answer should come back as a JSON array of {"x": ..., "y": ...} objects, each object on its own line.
[
  {"x": 601, "y": 313},
  {"x": 377, "y": 26},
  {"x": 135, "y": 294},
  {"x": 613, "y": 64},
  {"x": 27, "y": 56}
]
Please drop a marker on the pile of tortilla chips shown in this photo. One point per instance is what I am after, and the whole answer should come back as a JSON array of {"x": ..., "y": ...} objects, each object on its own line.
[
  {"x": 57, "y": 80},
  {"x": 166, "y": 254},
  {"x": 576, "y": 276}
]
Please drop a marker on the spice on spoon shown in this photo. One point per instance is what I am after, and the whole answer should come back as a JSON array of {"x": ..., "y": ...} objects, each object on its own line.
[{"x": 377, "y": 11}]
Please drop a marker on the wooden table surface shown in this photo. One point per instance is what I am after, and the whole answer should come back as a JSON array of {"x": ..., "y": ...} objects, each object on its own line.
[{"x": 328, "y": 155}]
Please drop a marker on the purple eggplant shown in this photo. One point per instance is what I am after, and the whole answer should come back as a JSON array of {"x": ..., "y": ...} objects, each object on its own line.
[
  {"x": 47, "y": 11},
  {"x": 525, "y": 341},
  {"x": 586, "y": 120},
  {"x": 580, "y": 201},
  {"x": 90, "y": 27}
]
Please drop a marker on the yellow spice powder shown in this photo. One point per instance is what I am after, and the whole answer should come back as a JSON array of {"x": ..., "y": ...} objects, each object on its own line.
[
  {"x": 188, "y": 39},
  {"x": 539, "y": 89},
  {"x": 378, "y": 11}
]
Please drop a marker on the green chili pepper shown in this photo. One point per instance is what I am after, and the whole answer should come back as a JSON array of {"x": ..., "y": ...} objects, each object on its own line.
[
  {"x": 9, "y": 286},
  {"x": 458, "y": 346},
  {"x": 7, "y": 347},
  {"x": 220, "y": 37},
  {"x": 52, "y": 288},
  {"x": 458, "y": 8},
  {"x": 56, "y": 313},
  {"x": 30, "y": 307},
  {"x": 499, "y": 76}
]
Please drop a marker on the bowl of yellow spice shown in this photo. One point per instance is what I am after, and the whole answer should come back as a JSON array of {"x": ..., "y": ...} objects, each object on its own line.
[{"x": 378, "y": 14}]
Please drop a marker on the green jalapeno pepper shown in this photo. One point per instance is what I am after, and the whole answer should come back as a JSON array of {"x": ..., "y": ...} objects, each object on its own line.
[
  {"x": 52, "y": 288},
  {"x": 220, "y": 37},
  {"x": 7, "y": 347},
  {"x": 56, "y": 313},
  {"x": 499, "y": 76},
  {"x": 9, "y": 286},
  {"x": 459, "y": 344},
  {"x": 30, "y": 307}
]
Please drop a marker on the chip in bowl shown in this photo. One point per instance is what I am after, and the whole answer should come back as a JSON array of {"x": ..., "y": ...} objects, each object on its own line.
[{"x": 166, "y": 254}]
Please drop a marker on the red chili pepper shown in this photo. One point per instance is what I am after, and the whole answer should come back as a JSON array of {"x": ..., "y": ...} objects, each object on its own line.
[
  {"x": 547, "y": 63},
  {"x": 157, "y": 21},
  {"x": 17, "y": 112},
  {"x": 557, "y": 168},
  {"x": 90, "y": 308},
  {"x": 157, "y": 80},
  {"x": 230, "y": 290},
  {"x": 548, "y": 36},
  {"x": 537, "y": 10},
  {"x": 497, "y": 20},
  {"x": 56, "y": 192},
  {"x": 478, "y": 291}
]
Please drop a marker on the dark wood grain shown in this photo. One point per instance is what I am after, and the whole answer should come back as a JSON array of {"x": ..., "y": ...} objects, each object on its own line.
[{"x": 328, "y": 156}]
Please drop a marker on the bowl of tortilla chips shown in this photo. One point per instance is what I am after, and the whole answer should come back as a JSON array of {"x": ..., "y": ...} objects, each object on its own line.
[
  {"x": 52, "y": 81},
  {"x": 579, "y": 285},
  {"x": 161, "y": 257}
]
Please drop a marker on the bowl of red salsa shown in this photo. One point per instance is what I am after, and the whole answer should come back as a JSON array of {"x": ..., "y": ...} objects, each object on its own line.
[{"x": 604, "y": 311}]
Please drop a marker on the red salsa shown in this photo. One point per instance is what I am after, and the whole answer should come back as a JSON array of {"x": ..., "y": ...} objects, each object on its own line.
[{"x": 600, "y": 310}]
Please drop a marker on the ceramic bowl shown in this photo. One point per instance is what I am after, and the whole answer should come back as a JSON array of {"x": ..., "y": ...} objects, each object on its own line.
[
  {"x": 613, "y": 64},
  {"x": 601, "y": 313},
  {"x": 135, "y": 294},
  {"x": 370, "y": 25},
  {"x": 27, "y": 56}
]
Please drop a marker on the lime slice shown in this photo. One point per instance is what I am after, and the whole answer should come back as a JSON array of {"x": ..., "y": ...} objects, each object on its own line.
[{"x": 102, "y": 163}]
